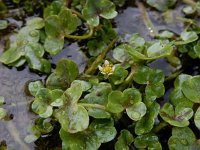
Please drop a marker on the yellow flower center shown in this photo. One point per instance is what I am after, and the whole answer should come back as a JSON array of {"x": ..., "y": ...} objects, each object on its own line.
[{"x": 107, "y": 68}]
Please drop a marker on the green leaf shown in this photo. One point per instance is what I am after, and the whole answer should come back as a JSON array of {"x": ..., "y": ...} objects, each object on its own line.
[
  {"x": 48, "y": 111},
  {"x": 3, "y": 24},
  {"x": 98, "y": 95},
  {"x": 197, "y": 49},
  {"x": 57, "y": 102},
  {"x": 85, "y": 86},
  {"x": 2, "y": 113},
  {"x": 120, "y": 54},
  {"x": 11, "y": 55},
  {"x": 191, "y": 89},
  {"x": 33, "y": 87},
  {"x": 53, "y": 27},
  {"x": 44, "y": 126},
  {"x": 104, "y": 129},
  {"x": 115, "y": 101},
  {"x": 69, "y": 21},
  {"x": 66, "y": 72},
  {"x": 73, "y": 118},
  {"x": 2, "y": 100},
  {"x": 95, "y": 47},
  {"x": 178, "y": 98},
  {"x": 180, "y": 79},
  {"x": 146, "y": 75},
  {"x": 42, "y": 98},
  {"x": 35, "y": 23},
  {"x": 187, "y": 37},
  {"x": 79, "y": 141},
  {"x": 100, "y": 131},
  {"x": 136, "y": 41},
  {"x": 18, "y": 62},
  {"x": 189, "y": 10},
  {"x": 118, "y": 75},
  {"x": 53, "y": 45},
  {"x": 159, "y": 49},
  {"x": 155, "y": 90},
  {"x": 197, "y": 118},
  {"x": 94, "y": 9},
  {"x": 166, "y": 34},
  {"x": 182, "y": 139},
  {"x": 74, "y": 92},
  {"x": 35, "y": 61},
  {"x": 136, "y": 111},
  {"x": 161, "y": 5},
  {"x": 36, "y": 47},
  {"x": 53, "y": 9},
  {"x": 124, "y": 140},
  {"x": 154, "y": 51},
  {"x": 27, "y": 34},
  {"x": 31, "y": 138},
  {"x": 149, "y": 141},
  {"x": 130, "y": 100},
  {"x": 178, "y": 117},
  {"x": 145, "y": 124}
]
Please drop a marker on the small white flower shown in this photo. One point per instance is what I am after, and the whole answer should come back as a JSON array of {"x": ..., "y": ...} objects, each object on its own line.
[{"x": 107, "y": 68}]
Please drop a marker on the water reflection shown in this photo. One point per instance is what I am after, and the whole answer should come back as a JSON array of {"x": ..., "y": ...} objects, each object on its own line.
[{"x": 17, "y": 103}]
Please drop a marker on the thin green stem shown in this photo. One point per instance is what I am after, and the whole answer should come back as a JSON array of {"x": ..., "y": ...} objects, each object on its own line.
[
  {"x": 82, "y": 37},
  {"x": 160, "y": 126},
  {"x": 98, "y": 106},
  {"x": 128, "y": 80},
  {"x": 78, "y": 14},
  {"x": 91, "y": 70},
  {"x": 146, "y": 19}
]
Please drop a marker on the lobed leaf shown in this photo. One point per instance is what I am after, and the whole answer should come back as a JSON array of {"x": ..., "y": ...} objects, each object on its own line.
[
  {"x": 182, "y": 139},
  {"x": 124, "y": 140},
  {"x": 146, "y": 124},
  {"x": 149, "y": 141},
  {"x": 66, "y": 72}
]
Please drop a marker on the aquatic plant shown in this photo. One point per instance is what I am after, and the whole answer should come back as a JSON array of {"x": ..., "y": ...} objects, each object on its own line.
[{"x": 118, "y": 97}]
